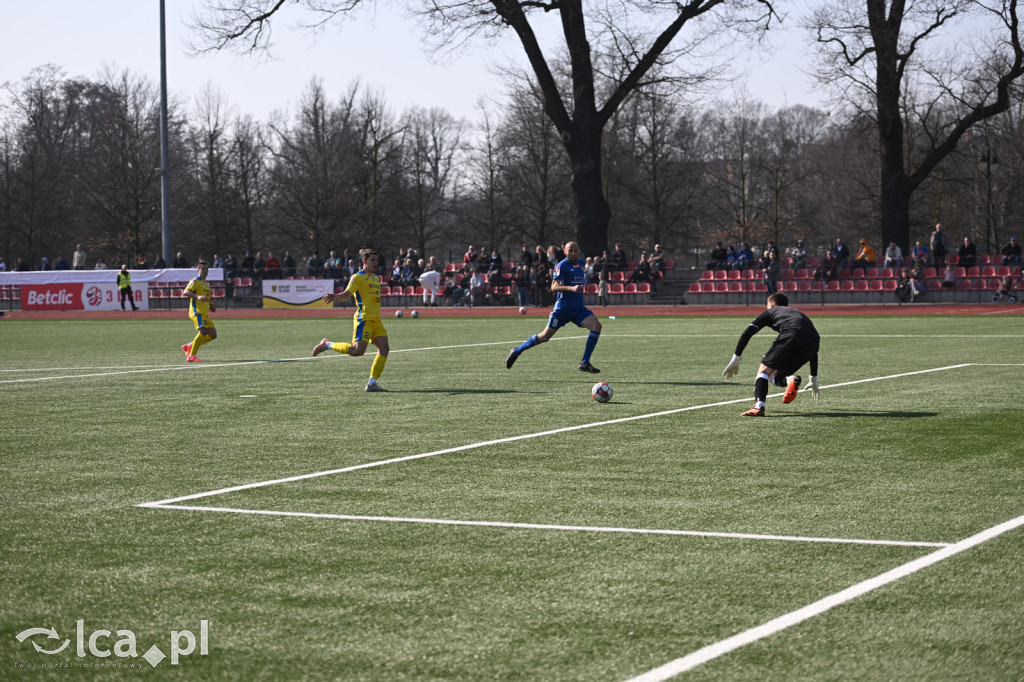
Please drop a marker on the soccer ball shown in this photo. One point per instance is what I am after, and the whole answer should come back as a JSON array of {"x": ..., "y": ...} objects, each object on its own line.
[
  {"x": 398, "y": 313},
  {"x": 522, "y": 310},
  {"x": 601, "y": 392},
  {"x": 415, "y": 313}
]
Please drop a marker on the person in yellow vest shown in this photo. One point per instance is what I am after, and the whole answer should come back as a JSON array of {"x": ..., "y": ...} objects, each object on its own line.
[
  {"x": 124, "y": 285},
  {"x": 199, "y": 308}
]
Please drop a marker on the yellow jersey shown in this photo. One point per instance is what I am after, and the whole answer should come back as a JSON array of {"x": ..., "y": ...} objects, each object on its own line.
[
  {"x": 365, "y": 289},
  {"x": 201, "y": 288}
]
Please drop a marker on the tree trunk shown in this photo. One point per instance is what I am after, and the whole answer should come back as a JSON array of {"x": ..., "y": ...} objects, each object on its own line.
[{"x": 592, "y": 211}]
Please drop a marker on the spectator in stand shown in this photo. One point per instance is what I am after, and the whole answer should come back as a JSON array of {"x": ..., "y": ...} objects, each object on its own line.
[
  {"x": 893, "y": 256},
  {"x": 411, "y": 272},
  {"x": 332, "y": 265},
  {"x": 159, "y": 263},
  {"x": 526, "y": 258},
  {"x": 744, "y": 257},
  {"x": 841, "y": 253},
  {"x": 542, "y": 285},
  {"x": 865, "y": 256},
  {"x": 719, "y": 258},
  {"x": 619, "y": 259},
  {"x": 1011, "y": 252},
  {"x": 539, "y": 255},
  {"x": 828, "y": 269},
  {"x": 967, "y": 254},
  {"x": 762, "y": 262},
  {"x": 259, "y": 267},
  {"x": 523, "y": 282},
  {"x": 315, "y": 265},
  {"x": 470, "y": 258},
  {"x": 78, "y": 259},
  {"x": 61, "y": 264},
  {"x": 555, "y": 255},
  {"x": 596, "y": 270},
  {"x": 273, "y": 266},
  {"x": 217, "y": 262},
  {"x": 919, "y": 253},
  {"x": 643, "y": 271},
  {"x": 949, "y": 276},
  {"x": 940, "y": 246},
  {"x": 230, "y": 267},
  {"x": 141, "y": 263},
  {"x": 288, "y": 266},
  {"x": 917, "y": 277},
  {"x": 602, "y": 285},
  {"x": 180, "y": 262},
  {"x": 395, "y": 276},
  {"x": 495, "y": 261},
  {"x": 905, "y": 291},
  {"x": 3, "y": 264},
  {"x": 44, "y": 264},
  {"x": 100, "y": 265},
  {"x": 657, "y": 260},
  {"x": 21, "y": 265},
  {"x": 772, "y": 272},
  {"x": 477, "y": 289},
  {"x": 798, "y": 254}
]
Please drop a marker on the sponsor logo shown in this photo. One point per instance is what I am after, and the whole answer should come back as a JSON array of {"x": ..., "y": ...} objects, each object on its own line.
[{"x": 101, "y": 644}]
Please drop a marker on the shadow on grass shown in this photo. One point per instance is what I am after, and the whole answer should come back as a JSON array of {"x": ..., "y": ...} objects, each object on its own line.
[
  {"x": 884, "y": 414},
  {"x": 456, "y": 391}
]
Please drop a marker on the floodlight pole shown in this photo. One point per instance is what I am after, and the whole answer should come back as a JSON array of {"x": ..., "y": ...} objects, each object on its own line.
[{"x": 165, "y": 155}]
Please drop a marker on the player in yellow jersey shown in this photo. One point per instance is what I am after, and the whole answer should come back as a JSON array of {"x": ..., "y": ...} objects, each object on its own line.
[
  {"x": 200, "y": 306},
  {"x": 366, "y": 325}
]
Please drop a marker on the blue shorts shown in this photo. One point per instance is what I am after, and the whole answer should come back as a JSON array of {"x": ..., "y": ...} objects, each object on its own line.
[{"x": 559, "y": 318}]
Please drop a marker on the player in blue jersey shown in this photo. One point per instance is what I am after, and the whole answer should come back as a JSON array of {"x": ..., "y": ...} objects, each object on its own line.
[{"x": 568, "y": 281}]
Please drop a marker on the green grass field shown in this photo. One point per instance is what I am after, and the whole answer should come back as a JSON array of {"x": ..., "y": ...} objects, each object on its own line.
[{"x": 508, "y": 552}]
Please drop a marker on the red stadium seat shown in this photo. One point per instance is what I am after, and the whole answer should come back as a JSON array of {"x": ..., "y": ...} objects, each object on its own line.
[
  {"x": 860, "y": 285},
  {"x": 875, "y": 285},
  {"x": 932, "y": 285},
  {"x": 871, "y": 273},
  {"x": 886, "y": 273},
  {"x": 707, "y": 288},
  {"x": 707, "y": 274},
  {"x": 890, "y": 285},
  {"x": 590, "y": 289},
  {"x": 721, "y": 274},
  {"x": 787, "y": 286},
  {"x": 787, "y": 273},
  {"x": 616, "y": 288},
  {"x": 803, "y": 285},
  {"x": 630, "y": 288},
  {"x": 643, "y": 288},
  {"x": 735, "y": 274},
  {"x": 694, "y": 288},
  {"x": 857, "y": 273},
  {"x": 846, "y": 285},
  {"x": 736, "y": 287},
  {"x": 722, "y": 287}
]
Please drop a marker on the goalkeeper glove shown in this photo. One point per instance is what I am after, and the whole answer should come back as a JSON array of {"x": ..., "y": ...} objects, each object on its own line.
[
  {"x": 733, "y": 368},
  {"x": 815, "y": 392}
]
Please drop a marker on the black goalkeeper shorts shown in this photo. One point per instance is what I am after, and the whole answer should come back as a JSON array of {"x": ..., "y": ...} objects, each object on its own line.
[{"x": 788, "y": 354}]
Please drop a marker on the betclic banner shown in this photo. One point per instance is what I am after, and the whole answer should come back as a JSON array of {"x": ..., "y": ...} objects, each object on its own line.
[{"x": 79, "y": 296}]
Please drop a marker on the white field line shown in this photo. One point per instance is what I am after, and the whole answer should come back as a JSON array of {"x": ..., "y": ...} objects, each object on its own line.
[
  {"x": 712, "y": 651},
  {"x": 512, "y": 439},
  {"x": 171, "y": 503},
  {"x": 547, "y": 526}
]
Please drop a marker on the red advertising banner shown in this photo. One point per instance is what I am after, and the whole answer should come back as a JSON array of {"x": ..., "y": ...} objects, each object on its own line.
[{"x": 78, "y": 296}]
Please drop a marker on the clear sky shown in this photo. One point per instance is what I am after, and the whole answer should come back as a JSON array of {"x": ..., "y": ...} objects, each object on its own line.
[{"x": 381, "y": 49}]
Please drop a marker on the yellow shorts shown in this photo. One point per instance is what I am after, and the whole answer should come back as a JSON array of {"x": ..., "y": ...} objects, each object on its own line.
[
  {"x": 367, "y": 330},
  {"x": 203, "y": 321}
]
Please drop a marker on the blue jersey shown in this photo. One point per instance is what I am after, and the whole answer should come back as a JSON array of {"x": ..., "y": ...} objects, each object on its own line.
[{"x": 569, "y": 274}]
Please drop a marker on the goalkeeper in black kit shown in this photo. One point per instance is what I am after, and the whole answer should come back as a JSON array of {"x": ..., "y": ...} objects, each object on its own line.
[{"x": 795, "y": 346}]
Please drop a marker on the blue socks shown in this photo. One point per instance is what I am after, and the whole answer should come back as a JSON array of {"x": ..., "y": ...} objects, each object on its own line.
[
  {"x": 529, "y": 343},
  {"x": 591, "y": 343}
]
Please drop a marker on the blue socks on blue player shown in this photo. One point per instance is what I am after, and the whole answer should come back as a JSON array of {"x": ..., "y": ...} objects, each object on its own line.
[
  {"x": 591, "y": 343},
  {"x": 529, "y": 343}
]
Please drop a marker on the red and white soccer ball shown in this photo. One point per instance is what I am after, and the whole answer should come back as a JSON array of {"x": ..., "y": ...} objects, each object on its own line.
[
  {"x": 522, "y": 310},
  {"x": 415, "y": 313},
  {"x": 601, "y": 392}
]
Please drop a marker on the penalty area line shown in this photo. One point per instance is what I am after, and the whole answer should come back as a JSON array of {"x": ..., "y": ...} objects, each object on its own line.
[
  {"x": 509, "y": 439},
  {"x": 713, "y": 651},
  {"x": 549, "y": 526}
]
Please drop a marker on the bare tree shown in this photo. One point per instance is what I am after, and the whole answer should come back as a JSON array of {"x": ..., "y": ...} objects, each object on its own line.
[
  {"x": 876, "y": 57},
  {"x": 433, "y": 139},
  {"x": 637, "y": 34}
]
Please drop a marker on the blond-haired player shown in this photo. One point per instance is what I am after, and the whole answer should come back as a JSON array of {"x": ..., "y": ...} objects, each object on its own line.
[
  {"x": 199, "y": 308},
  {"x": 366, "y": 325}
]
